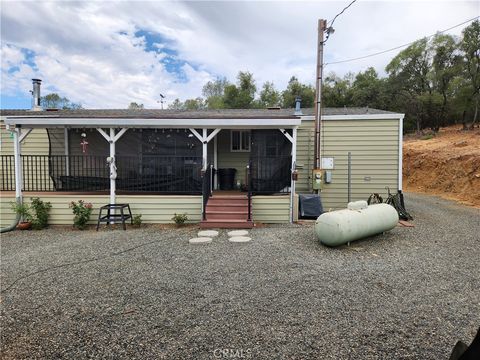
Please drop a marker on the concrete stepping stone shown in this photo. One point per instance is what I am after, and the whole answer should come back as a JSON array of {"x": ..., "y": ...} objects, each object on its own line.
[
  {"x": 208, "y": 233},
  {"x": 200, "y": 240},
  {"x": 239, "y": 239},
  {"x": 238, "y": 233}
]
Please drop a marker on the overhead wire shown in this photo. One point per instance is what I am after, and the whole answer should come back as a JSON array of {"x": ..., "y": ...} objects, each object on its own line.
[
  {"x": 335, "y": 18},
  {"x": 400, "y": 46}
]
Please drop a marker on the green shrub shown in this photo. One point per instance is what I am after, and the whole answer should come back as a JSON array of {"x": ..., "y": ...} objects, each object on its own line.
[
  {"x": 82, "y": 212},
  {"x": 137, "y": 220},
  {"x": 41, "y": 213},
  {"x": 23, "y": 210},
  {"x": 180, "y": 219}
]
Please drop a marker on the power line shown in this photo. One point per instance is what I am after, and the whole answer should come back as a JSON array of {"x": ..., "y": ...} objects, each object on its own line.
[
  {"x": 335, "y": 18},
  {"x": 400, "y": 46},
  {"x": 341, "y": 12}
]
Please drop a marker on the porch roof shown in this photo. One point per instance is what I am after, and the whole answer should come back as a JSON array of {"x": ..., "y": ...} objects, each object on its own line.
[
  {"x": 59, "y": 122},
  {"x": 155, "y": 118}
]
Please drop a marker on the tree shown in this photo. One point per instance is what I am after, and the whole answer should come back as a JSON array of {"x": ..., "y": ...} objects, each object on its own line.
[
  {"x": 470, "y": 45},
  {"x": 296, "y": 88},
  {"x": 194, "y": 104},
  {"x": 189, "y": 104},
  {"x": 409, "y": 81},
  {"x": 213, "y": 91},
  {"x": 337, "y": 92},
  {"x": 135, "y": 106},
  {"x": 55, "y": 101},
  {"x": 369, "y": 90},
  {"x": 176, "y": 105},
  {"x": 240, "y": 96},
  {"x": 269, "y": 96},
  {"x": 446, "y": 65}
]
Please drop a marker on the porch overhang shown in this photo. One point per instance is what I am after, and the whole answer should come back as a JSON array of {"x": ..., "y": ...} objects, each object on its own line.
[{"x": 33, "y": 122}]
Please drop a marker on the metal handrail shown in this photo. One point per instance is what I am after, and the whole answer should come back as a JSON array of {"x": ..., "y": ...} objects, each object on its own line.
[
  {"x": 249, "y": 191},
  {"x": 206, "y": 189}
]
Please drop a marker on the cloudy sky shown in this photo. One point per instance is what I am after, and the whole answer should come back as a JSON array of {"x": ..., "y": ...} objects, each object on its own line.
[{"x": 108, "y": 54}]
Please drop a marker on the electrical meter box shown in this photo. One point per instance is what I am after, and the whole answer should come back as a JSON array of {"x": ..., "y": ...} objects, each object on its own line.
[{"x": 317, "y": 177}]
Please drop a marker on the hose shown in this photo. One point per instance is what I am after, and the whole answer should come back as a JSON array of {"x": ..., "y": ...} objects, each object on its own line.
[
  {"x": 16, "y": 221},
  {"x": 396, "y": 202}
]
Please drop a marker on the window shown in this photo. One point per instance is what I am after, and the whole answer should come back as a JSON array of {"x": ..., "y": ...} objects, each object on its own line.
[{"x": 240, "y": 140}]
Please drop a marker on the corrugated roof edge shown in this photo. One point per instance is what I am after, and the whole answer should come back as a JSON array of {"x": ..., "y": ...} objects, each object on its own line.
[{"x": 191, "y": 114}]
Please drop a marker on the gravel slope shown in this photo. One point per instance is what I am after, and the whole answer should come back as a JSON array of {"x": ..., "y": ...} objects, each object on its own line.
[{"x": 141, "y": 294}]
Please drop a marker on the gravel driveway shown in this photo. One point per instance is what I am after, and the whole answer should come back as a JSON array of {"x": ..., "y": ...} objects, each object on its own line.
[{"x": 144, "y": 294}]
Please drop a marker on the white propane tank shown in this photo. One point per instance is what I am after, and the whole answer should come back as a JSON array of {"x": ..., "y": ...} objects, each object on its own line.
[{"x": 358, "y": 221}]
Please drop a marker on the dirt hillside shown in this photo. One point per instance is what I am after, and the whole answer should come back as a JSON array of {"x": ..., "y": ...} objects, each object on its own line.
[{"x": 447, "y": 164}]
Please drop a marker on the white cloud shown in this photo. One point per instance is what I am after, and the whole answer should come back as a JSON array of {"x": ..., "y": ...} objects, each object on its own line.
[{"x": 88, "y": 52}]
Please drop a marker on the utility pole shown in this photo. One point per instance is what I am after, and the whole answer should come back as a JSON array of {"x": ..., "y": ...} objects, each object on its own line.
[{"x": 322, "y": 26}]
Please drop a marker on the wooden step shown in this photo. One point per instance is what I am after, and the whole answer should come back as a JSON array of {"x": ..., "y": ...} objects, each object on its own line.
[
  {"x": 227, "y": 224},
  {"x": 223, "y": 207},
  {"x": 238, "y": 201},
  {"x": 228, "y": 214}
]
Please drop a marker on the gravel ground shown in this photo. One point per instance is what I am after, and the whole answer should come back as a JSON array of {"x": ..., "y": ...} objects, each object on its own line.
[{"x": 147, "y": 293}]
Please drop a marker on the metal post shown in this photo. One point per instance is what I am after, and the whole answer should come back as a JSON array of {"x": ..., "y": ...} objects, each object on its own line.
[
  {"x": 349, "y": 171},
  {"x": 322, "y": 25},
  {"x": 17, "y": 151},
  {"x": 215, "y": 160}
]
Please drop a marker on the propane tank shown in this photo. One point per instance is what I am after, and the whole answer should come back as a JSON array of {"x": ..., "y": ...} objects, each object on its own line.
[{"x": 356, "y": 222}]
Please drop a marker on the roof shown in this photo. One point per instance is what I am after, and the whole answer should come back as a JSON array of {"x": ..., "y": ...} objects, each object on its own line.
[{"x": 190, "y": 114}]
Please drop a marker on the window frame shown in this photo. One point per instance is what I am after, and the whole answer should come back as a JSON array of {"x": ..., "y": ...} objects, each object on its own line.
[{"x": 241, "y": 134}]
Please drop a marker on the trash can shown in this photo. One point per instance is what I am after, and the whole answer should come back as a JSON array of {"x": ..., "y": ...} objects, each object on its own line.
[{"x": 226, "y": 178}]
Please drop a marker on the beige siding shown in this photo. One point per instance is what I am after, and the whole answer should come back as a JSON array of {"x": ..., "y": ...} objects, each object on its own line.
[
  {"x": 374, "y": 148},
  {"x": 154, "y": 208},
  {"x": 36, "y": 143},
  {"x": 271, "y": 209},
  {"x": 229, "y": 159}
]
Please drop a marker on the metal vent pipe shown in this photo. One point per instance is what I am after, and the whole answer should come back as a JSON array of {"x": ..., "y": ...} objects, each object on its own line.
[{"x": 36, "y": 95}]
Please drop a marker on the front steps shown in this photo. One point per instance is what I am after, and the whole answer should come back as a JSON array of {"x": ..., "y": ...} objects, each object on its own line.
[{"x": 228, "y": 212}]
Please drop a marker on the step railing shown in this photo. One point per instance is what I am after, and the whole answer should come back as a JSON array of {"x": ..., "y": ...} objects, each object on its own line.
[
  {"x": 207, "y": 178},
  {"x": 249, "y": 190}
]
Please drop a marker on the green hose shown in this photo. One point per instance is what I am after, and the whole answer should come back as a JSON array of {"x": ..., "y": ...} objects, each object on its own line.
[{"x": 15, "y": 223}]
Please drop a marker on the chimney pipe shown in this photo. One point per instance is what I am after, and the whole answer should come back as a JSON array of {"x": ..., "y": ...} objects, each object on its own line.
[
  {"x": 298, "y": 102},
  {"x": 36, "y": 95}
]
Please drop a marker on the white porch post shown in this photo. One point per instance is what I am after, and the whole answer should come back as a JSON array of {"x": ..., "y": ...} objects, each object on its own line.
[
  {"x": 66, "y": 151},
  {"x": 113, "y": 169},
  {"x": 205, "y": 139},
  {"x": 112, "y": 139},
  {"x": 204, "y": 149},
  {"x": 294, "y": 161},
  {"x": 17, "y": 151},
  {"x": 293, "y": 139}
]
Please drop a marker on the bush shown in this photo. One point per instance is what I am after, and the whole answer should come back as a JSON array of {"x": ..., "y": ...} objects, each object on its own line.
[
  {"x": 137, "y": 220},
  {"x": 23, "y": 210},
  {"x": 41, "y": 213},
  {"x": 82, "y": 212},
  {"x": 180, "y": 219}
]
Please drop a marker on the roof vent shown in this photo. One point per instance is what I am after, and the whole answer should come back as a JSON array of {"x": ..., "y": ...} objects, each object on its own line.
[
  {"x": 36, "y": 95},
  {"x": 298, "y": 102}
]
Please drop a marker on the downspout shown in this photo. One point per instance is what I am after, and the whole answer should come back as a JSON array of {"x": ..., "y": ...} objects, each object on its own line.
[
  {"x": 18, "y": 180},
  {"x": 15, "y": 222}
]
